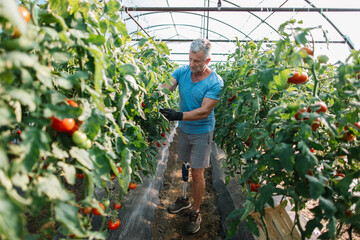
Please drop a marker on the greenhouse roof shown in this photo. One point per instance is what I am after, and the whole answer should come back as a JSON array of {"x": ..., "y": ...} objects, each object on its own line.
[{"x": 179, "y": 22}]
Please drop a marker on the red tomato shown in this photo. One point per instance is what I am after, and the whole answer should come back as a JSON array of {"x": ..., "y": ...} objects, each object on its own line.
[
  {"x": 113, "y": 225},
  {"x": 319, "y": 106},
  {"x": 348, "y": 137},
  {"x": 86, "y": 210},
  {"x": 80, "y": 175},
  {"x": 25, "y": 13},
  {"x": 255, "y": 187},
  {"x": 18, "y": 132},
  {"x": 96, "y": 211},
  {"x": 308, "y": 50},
  {"x": 248, "y": 141},
  {"x": 72, "y": 102},
  {"x": 132, "y": 185},
  {"x": 143, "y": 104},
  {"x": 65, "y": 125},
  {"x": 298, "y": 79},
  {"x": 312, "y": 150},
  {"x": 158, "y": 144},
  {"x": 357, "y": 124},
  {"x": 164, "y": 143},
  {"x": 316, "y": 124},
  {"x": 297, "y": 115},
  {"x": 117, "y": 205},
  {"x": 163, "y": 135}
]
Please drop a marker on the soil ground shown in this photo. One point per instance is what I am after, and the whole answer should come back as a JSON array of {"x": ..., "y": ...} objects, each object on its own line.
[{"x": 167, "y": 226}]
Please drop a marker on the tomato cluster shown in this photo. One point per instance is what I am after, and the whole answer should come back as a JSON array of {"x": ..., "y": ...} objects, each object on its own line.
[
  {"x": 316, "y": 107},
  {"x": 71, "y": 127}
]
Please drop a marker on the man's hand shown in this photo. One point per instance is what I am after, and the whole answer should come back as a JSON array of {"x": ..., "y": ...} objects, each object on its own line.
[{"x": 171, "y": 114}]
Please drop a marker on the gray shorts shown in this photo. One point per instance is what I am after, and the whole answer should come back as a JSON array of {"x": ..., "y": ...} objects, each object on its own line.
[{"x": 195, "y": 148}]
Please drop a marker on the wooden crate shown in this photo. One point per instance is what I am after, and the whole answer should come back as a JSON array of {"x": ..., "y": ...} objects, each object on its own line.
[{"x": 278, "y": 223}]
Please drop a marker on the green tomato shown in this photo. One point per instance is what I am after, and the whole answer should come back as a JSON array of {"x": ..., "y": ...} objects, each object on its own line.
[
  {"x": 79, "y": 137},
  {"x": 106, "y": 203},
  {"x": 323, "y": 58},
  {"x": 86, "y": 145}
]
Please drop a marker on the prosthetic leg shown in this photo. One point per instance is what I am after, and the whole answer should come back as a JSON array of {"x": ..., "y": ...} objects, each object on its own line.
[{"x": 185, "y": 177}]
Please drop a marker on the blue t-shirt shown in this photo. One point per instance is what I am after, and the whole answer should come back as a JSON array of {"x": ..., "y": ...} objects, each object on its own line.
[{"x": 192, "y": 95}]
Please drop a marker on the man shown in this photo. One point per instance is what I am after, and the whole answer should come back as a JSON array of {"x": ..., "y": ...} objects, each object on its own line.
[{"x": 199, "y": 89}]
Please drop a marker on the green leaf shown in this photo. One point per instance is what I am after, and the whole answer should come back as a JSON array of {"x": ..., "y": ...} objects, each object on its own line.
[
  {"x": 94, "y": 122},
  {"x": 266, "y": 78},
  {"x": 286, "y": 154},
  {"x": 103, "y": 167},
  {"x": 59, "y": 6},
  {"x": 7, "y": 116},
  {"x": 328, "y": 207},
  {"x": 301, "y": 38},
  {"x": 252, "y": 226},
  {"x": 281, "y": 79},
  {"x": 58, "y": 152},
  {"x": 69, "y": 172},
  {"x": 74, "y": 6},
  {"x": 103, "y": 26},
  {"x": 316, "y": 187},
  {"x": 129, "y": 69},
  {"x": 12, "y": 222},
  {"x": 51, "y": 187},
  {"x": 68, "y": 215},
  {"x": 26, "y": 97},
  {"x": 131, "y": 82},
  {"x": 83, "y": 157},
  {"x": 96, "y": 39},
  {"x": 34, "y": 140}
]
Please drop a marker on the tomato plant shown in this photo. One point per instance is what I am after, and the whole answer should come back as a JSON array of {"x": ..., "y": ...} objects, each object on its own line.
[
  {"x": 285, "y": 127},
  {"x": 59, "y": 78}
]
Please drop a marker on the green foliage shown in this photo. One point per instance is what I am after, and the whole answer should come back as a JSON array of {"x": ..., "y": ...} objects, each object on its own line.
[
  {"x": 265, "y": 144},
  {"x": 78, "y": 50}
]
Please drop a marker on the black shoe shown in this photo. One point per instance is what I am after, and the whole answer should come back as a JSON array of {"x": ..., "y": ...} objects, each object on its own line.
[
  {"x": 194, "y": 222},
  {"x": 179, "y": 205}
]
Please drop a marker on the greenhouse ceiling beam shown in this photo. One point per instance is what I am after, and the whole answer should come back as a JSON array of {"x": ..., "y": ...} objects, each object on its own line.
[
  {"x": 233, "y": 41},
  {"x": 263, "y": 21},
  {"x": 237, "y": 9},
  {"x": 197, "y": 14},
  {"x": 349, "y": 43},
  {"x": 167, "y": 26},
  {"x": 137, "y": 23}
]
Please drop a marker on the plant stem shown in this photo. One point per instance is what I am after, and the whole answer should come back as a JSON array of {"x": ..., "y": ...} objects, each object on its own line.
[
  {"x": 315, "y": 80},
  {"x": 266, "y": 230}
]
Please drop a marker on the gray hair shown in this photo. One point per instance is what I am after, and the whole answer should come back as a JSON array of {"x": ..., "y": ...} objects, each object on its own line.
[{"x": 201, "y": 44}]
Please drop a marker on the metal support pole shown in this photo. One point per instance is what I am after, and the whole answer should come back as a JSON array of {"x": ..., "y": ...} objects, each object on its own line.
[{"x": 237, "y": 9}]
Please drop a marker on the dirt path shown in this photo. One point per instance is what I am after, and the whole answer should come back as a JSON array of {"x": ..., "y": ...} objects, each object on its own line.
[{"x": 167, "y": 226}]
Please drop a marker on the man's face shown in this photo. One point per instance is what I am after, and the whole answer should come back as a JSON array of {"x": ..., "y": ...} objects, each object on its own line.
[{"x": 198, "y": 62}]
